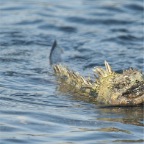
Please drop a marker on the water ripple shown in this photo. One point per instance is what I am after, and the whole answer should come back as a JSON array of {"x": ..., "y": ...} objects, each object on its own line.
[
  {"x": 89, "y": 32},
  {"x": 87, "y": 21}
]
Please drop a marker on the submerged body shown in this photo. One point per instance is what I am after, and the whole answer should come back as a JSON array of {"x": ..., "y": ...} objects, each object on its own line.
[{"x": 108, "y": 88}]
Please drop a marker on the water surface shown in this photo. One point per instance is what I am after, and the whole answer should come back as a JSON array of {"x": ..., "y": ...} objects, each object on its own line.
[{"x": 89, "y": 32}]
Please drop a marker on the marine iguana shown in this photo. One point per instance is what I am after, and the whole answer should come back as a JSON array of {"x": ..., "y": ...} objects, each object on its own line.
[{"x": 108, "y": 88}]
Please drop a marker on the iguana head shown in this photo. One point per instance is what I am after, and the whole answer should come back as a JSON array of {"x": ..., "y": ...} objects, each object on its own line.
[{"x": 126, "y": 88}]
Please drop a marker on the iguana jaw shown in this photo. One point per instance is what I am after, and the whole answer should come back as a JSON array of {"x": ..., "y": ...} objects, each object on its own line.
[
  {"x": 123, "y": 101},
  {"x": 134, "y": 95}
]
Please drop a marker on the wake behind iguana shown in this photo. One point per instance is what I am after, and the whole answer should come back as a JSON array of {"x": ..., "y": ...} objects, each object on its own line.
[{"x": 108, "y": 88}]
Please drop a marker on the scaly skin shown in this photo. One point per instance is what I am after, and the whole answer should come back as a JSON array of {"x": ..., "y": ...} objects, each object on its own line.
[{"x": 109, "y": 88}]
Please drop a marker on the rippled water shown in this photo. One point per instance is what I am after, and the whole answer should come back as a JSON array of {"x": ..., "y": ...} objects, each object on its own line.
[{"x": 89, "y": 31}]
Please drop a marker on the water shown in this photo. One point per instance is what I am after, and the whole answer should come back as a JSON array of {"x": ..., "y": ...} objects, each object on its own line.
[{"x": 31, "y": 109}]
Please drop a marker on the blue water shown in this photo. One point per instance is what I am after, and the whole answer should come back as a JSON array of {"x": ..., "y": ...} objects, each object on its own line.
[{"x": 32, "y": 111}]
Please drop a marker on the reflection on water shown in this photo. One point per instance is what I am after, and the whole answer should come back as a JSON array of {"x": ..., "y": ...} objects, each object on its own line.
[
  {"x": 89, "y": 32},
  {"x": 132, "y": 115}
]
